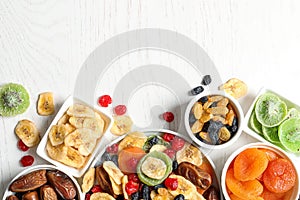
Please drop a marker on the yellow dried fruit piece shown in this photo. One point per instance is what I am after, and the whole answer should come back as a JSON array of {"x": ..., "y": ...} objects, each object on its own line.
[
  {"x": 219, "y": 118},
  {"x": 205, "y": 136},
  {"x": 197, "y": 110},
  {"x": 235, "y": 88},
  {"x": 207, "y": 104},
  {"x": 206, "y": 117},
  {"x": 223, "y": 102},
  {"x": 230, "y": 117},
  {"x": 197, "y": 126},
  {"x": 215, "y": 98},
  {"x": 224, "y": 134},
  {"x": 218, "y": 110}
]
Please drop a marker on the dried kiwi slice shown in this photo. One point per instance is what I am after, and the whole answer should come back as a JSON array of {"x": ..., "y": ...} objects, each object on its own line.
[
  {"x": 271, "y": 134},
  {"x": 293, "y": 113},
  {"x": 289, "y": 134},
  {"x": 255, "y": 124},
  {"x": 270, "y": 110},
  {"x": 14, "y": 99}
]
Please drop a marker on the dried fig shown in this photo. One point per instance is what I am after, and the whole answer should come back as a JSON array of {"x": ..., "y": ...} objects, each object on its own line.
[
  {"x": 62, "y": 184},
  {"x": 29, "y": 181},
  {"x": 31, "y": 196},
  {"x": 194, "y": 174},
  {"x": 47, "y": 193}
]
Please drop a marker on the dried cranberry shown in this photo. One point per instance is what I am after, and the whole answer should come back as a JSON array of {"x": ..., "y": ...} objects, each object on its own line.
[
  {"x": 27, "y": 160},
  {"x": 170, "y": 152},
  {"x": 87, "y": 196},
  {"x": 132, "y": 163},
  {"x": 22, "y": 146},
  {"x": 171, "y": 183},
  {"x": 134, "y": 178},
  {"x": 177, "y": 143},
  {"x": 168, "y": 116},
  {"x": 104, "y": 100},
  {"x": 168, "y": 137},
  {"x": 131, "y": 187},
  {"x": 96, "y": 188},
  {"x": 113, "y": 148},
  {"x": 120, "y": 109}
]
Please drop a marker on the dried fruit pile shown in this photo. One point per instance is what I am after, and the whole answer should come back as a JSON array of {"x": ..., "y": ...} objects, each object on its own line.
[
  {"x": 75, "y": 135},
  {"x": 276, "y": 122},
  {"x": 260, "y": 174},
  {"x": 44, "y": 184},
  {"x": 158, "y": 166},
  {"x": 213, "y": 119}
]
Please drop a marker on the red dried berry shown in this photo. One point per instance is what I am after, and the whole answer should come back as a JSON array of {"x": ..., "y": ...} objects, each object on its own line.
[
  {"x": 120, "y": 109},
  {"x": 22, "y": 146},
  {"x": 171, "y": 183},
  {"x": 131, "y": 187},
  {"x": 96, "y": 188},
  {"x": 177, "y": 143},
  {"x": 113, "y": 148},
  {"x": 87, "y": 196},
  {"x": 104, "y": 100},
  {"x": 168, "y": 116},
  {"x": 134, "y": 178},
  {"x": 168, "y": 137},
  {"x": 170, "y": 152},
  {"x": 27, "y": 160}
]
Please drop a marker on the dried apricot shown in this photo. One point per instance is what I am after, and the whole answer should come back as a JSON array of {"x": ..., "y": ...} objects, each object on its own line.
[
  {"x": 249, "y": 190},
  {"x": 272, "y": 196},
  {"x": 250, "y": 164},
  {"x": 280, "y": 176},
  {"x": 271, "y": 155}
]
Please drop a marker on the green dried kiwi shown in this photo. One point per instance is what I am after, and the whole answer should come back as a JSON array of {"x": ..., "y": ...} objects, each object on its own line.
[
  {"x": 289, "y": 134},
  {"x": 271, "y": 134},
  {"x": 293, "y": 113},
  {"x": 14, "y": 99},
  {"x": 255, "y": 124},
  {"x": 270, "y": 111}
]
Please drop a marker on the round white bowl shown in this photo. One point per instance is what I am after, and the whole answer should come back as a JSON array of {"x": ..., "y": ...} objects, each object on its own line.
[
  {"x": 38, "y": 167},
  {"x": 261, "y": 145},
  {"x": 238, "y": 110}
]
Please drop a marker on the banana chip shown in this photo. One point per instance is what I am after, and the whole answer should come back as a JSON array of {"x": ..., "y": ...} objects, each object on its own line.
[
  {"x": 101, "y": 196},
  {"x": 122, "y": 124},
  {"x": 189, "y": 153},
  {"x": 27, "y": 132},
  {"x": 88, "y": 180},
  {"x": 235, "y": 88},
  {"x": 45, "y": 105},
  {"x": 185, "y": 187},
  {"x": 134, "y": 139},
  {"x": 113, "y": 171}
]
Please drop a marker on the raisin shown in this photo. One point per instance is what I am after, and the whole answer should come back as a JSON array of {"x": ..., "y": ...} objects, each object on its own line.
[
  {"x": 174, "y": 165},
  {"x": 179, "y": 197},
  {"x": 145, "y": 192},
  {"x": 135, "y": 196},
  {"x": 154, "y": 140},
  {"x": 203, "y": 99},
  {"x": 206, "y": 80},
  {"x": 197, "y": 90}
]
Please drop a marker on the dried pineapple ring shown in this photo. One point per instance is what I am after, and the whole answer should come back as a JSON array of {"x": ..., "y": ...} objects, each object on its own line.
[{"x": 235, "y": 88}]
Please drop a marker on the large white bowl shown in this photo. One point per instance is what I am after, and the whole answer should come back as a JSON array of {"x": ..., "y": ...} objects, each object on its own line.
[
  {"x": 274, "y": 148},
  {"x": 42, "y": 152},
  {"x": 38, "y": 167},
  {"x": 238, "y": 110}
]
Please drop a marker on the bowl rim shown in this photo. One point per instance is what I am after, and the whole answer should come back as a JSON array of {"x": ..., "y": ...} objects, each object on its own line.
[
  {"x": 239, "y": 112},
  {"x": 41, "y": 149},
  {"x": 263, "y": 145},
  {"x": 38, "y": 167}
]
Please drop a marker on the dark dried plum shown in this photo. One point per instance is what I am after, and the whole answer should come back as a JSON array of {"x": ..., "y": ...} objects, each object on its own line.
[
  {"x": 203, "y": 99},
  {"x": 197, "y": 90},
  {"x": 145, "y": 192},
  {"x": 174, "y": 165},
  {"x": 179, "y": 197},
  {"x": 206, "y": 80}
]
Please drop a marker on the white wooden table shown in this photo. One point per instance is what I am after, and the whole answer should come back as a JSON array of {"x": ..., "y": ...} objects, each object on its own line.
[{"x": 43, "y": 45}]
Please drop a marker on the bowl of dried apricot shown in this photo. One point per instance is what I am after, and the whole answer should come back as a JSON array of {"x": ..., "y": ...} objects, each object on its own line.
[
  {"x": 260, "y": 171},
  {"x": 214, "y": 121}
]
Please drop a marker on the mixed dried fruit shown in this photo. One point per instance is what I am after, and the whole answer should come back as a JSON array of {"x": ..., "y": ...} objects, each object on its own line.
[
  {"x": 47, "y": 184},
  {"x": 213, "y": 119},
  {"x": 276, "y": 122},
  {"x": 158, "y": 166},
  {"x": 75, "y": 135},
  {"x": 258, "y": 173}
]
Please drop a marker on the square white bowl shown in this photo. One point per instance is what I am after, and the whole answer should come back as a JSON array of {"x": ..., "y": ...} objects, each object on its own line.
[
  {"x": 41, "y": 149},
  {"x": 260, "y": 137}
]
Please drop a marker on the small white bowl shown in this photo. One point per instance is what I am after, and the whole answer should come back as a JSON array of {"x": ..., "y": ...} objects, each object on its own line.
[
  {"x": 38, "y": 167},
  {"x": 238, "y": 110},
  {"x": 42, "y": 152},
  {"x": 261, "y": 145}
]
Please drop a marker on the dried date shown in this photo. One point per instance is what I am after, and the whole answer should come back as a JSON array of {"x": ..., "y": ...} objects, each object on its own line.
[{"x": 47, "y": 193}]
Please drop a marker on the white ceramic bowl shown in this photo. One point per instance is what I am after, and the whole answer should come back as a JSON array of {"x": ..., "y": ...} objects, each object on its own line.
[
  {"x": 275, "y": 149},
  {"x": 41, "y": 150},
  {"x": 238, "y": 111},
  {"x": 38, "y": 167}
]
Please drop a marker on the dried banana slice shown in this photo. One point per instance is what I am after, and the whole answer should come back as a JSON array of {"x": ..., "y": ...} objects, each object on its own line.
[
  {"x": 27, "y": 132},
  {"x": 63, "y": 120},
  {"x": 73, "y": 158},
  {"x": 154, "y": 168},
  {"x": 116, "y": 188},
  {"x": 57, "y": 134},
  {"x": 79, "y": 110},
  {"x": 189, "y": 153},
  {"x": 124, "y": 182},
  {"x": 88, "y": 180},
  {"x": 122, "y": 124},
  {"x": 101, "y": 196},
  {"x": 158, "y": 147},
  {"x": 235, "y": 88},
  {"x": 45, "y": 105},
  {"x": 185, "y": 187},
  {"x": 135, "y": 139},
  {"x": 57, "y": 152},
  {"x": 95, "y": 124},
  {"x": 113, "y": 171}
]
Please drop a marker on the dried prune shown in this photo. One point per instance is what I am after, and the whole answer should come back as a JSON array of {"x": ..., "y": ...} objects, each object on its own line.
[
  {"x": 174, "y": 165},
  {"x": 197, "y": 90},
  {"x": 203, "y": 99},
  {"x": 206, "y": 80}
]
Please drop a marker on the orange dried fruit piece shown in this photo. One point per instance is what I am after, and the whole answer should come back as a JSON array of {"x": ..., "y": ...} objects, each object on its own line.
[
  {"x": 250, "y": 164},
  {"x": 280, "y": 176},
  {"x": 271, "y": 155},
  {"x": 249, "y": 190},
  {"x": 271, "y": 195}
]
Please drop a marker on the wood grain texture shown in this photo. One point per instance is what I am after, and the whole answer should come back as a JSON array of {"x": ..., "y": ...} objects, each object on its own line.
[{"x": 43, "y": 44}]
